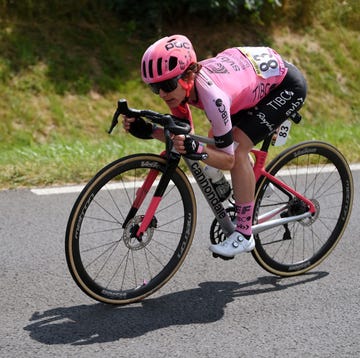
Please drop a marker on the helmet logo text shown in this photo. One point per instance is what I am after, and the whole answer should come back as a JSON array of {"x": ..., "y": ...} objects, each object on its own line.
[{"x": 174, "y": 44}]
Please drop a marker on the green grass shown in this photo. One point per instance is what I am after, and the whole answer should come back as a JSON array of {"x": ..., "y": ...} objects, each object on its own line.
[
  {"x": 60, "y": 81},
  {"x": 41, "y": 166}
]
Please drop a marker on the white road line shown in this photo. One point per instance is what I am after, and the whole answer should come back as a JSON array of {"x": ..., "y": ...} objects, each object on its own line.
[
  {"x": 58, "y": 190},
  {"x": 77, "y": 188}
]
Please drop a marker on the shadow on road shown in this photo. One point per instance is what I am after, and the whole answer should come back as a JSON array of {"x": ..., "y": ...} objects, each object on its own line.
[{"x": 87, "y": 324}]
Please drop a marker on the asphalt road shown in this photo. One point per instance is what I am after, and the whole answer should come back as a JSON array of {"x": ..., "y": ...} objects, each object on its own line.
[{"x": 211, "y": 308}]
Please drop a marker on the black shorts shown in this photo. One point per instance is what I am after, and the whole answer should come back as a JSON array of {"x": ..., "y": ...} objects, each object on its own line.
[{"x": 278, "y": 105}]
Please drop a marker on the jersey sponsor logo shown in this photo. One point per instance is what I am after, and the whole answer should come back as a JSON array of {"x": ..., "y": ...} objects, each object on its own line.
[
  {"x": 222, "y": 110},
  {"x": 264, "y": 121},
  {"x": 216, "y": 68},
  {"x": 231, "y": 63},
  {"x": 283, "y": 98},
  {"x": 295, "y": 106},
  {"x": 261, "y": 90},
  {"x": 219, "y": 102}
]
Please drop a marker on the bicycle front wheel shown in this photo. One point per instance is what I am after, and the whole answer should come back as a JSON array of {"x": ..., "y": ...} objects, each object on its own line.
[
  {"x": 104, "y": 257},
  {"x": 319, "y": 172}
]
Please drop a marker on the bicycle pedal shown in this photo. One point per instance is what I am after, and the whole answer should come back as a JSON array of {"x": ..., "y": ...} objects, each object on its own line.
[{"x": 222, "y": 257}]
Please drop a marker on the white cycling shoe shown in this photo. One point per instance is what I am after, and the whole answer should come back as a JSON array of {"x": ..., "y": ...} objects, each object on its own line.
[{"x": 233, "y": 245}]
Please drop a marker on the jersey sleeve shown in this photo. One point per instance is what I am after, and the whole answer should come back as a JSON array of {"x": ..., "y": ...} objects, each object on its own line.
[{"x": 217, "y": 106}]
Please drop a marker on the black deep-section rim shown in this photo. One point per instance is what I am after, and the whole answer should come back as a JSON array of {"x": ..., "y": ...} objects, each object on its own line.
[
  {"x": 79, "y": 274},
  {"x": 331, "y": 153}
]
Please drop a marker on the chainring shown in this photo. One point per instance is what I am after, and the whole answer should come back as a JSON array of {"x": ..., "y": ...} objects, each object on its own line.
[{"x": 216, "y": 233}]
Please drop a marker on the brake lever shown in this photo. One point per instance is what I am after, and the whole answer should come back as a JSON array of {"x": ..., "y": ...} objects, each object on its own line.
[
  {"x": 115, "y": 120},
  {"x": 122, "y": 108}
]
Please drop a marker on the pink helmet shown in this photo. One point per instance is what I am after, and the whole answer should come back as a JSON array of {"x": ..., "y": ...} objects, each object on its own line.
[{"x": 167, "y": 58}]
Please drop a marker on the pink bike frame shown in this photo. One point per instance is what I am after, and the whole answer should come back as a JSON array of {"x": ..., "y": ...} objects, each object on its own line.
[{"x": 260, "y": 171}]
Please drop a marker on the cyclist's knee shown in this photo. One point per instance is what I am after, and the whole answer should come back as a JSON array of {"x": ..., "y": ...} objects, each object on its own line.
[{"x": 243, "y": 143}]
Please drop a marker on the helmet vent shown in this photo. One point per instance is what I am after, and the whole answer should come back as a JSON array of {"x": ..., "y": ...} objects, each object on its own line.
[
  {"x": 151, "y": 74},
  {"x": 159, "y": 69},
  {"x": 172, "y": 62},
  {"x": 144, "y": 69}
]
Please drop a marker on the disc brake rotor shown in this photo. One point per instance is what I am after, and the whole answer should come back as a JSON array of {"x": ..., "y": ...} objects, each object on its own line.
[{"x": 129, "y": 236}]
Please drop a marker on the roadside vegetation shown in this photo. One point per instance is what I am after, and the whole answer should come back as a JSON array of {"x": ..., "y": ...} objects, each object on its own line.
[{"x": 62, "y": 72}]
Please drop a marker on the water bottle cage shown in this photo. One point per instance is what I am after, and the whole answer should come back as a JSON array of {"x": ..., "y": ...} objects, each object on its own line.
[{"x": 222, "y": 188}]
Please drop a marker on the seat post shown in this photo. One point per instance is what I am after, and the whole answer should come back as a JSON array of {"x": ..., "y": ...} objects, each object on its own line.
[{"x": 266, "y": 142}]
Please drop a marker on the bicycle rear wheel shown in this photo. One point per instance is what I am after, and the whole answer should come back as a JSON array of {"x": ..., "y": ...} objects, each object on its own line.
[
  {"x": 318, "y": 171},
  {"x": 104, "y": 257}
]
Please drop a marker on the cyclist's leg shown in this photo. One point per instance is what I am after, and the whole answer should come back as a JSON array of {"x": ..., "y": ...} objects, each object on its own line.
[
  {"x": 243, "y": 182},
  {"x": 253, "y": 125},
  {"x": 243, "y": 179}
]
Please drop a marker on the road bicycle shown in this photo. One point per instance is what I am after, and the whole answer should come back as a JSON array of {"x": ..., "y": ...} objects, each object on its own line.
[{"x": 133, "y": 224}]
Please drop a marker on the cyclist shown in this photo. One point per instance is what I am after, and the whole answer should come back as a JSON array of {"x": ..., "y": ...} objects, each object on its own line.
[{"x": 246, "y": 93}]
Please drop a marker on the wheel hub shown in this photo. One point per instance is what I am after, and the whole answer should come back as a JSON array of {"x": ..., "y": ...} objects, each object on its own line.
[
  {"x": 310, "y": 220},
  {"x": 137, "y": 243}
]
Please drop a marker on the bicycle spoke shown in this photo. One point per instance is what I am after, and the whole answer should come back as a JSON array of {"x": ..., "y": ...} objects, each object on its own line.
[
  {"x": 312, "y": 169},
  {"x": 103, "y": 249}
]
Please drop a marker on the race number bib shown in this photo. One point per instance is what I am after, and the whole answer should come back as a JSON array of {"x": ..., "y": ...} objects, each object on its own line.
[
  {"x": 282, "y": 134},
  {"x": 263, "y": 60}
]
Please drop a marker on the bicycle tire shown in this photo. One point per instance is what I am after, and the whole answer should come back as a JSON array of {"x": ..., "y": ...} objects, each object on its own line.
[
  {"x": 104, "y": 259},
  {"x": 320, "y": 172}
]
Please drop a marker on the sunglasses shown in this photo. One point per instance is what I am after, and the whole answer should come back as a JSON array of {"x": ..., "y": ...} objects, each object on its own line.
[{"x": 166, "y": 86}]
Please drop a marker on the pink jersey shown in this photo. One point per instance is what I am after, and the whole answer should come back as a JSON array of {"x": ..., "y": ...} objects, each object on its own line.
[{"x": 235, "y": 79}]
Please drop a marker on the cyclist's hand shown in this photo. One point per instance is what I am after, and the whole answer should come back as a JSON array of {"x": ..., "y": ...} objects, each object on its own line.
[
  {"x": 127, "y": 122},
  {"x": 178, "y": 141},
  {"x": 138, "y": 127},
  {"x": 192, "y": 146},
  {"x": 185, "y": 144}
]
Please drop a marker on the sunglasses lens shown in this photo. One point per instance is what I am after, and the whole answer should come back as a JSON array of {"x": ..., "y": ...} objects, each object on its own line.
[
  {"x": 155, "y": 87},
  {"x": 167, "y": 86}
]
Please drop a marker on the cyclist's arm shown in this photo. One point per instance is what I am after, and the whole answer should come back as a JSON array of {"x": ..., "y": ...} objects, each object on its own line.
[
  {"x": 182, "y": 111},
  {"x": 219, "y": 159},
  {"x": 216, "y": 104}
]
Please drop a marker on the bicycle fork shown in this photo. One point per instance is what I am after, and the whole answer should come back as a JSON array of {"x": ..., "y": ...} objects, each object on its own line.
[{"x": 141, "y": 193}]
